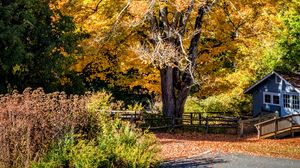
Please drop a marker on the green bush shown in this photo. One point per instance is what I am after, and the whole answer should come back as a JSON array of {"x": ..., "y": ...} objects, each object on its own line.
[
  {"x": 225, "y": 103},
  {"x": 113, "y": 143},
  {"x": 192, "y": 104}
]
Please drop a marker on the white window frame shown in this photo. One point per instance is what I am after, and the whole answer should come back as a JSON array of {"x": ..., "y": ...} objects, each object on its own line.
[
  {"x": 291, "y": 100},
  {"x": 292, "y": 103},
  {"x": 271, "y": 95}
]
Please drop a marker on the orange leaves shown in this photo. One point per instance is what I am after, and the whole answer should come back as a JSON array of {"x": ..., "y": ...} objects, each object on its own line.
[{"x": 194, "y": 144}]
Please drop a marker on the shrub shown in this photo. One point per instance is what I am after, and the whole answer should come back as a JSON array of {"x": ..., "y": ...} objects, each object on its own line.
[
  {"x": 192, "y": 104},
  {"x": 112, "y": 143},
  {"x": 31, "y": 121},
  {"x": 225, "y": 103},
  {"x": 116, "y": 145}
]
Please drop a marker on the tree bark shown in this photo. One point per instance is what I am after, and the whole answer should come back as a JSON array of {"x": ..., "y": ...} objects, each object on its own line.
[{"x": 167, "y": 88}]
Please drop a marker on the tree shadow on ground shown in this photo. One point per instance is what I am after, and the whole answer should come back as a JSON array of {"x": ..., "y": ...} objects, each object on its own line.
[{"x": 197, "y": 162}]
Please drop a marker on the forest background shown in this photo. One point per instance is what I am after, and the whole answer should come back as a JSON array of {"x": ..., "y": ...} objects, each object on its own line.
[{"x": 88, "y": 45}]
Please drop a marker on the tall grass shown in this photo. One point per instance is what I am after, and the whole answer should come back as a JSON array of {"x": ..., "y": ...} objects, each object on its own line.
[
  {"x": 112, "y": 143},
  {"x": 59, "y": 130},
  {"x": 31, "y": 121}
]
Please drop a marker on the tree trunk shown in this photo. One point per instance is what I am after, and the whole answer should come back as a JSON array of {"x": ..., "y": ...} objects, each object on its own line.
[
  {"x": 173, "y": 104},
  {"x": 167, "y": 88}
]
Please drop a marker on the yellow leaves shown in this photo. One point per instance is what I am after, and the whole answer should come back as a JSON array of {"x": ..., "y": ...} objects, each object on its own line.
[
  {"x": 65, "y": 81},
  {"x": 150, "y": 82}
]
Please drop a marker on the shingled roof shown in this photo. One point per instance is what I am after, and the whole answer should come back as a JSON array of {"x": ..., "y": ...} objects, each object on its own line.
[{"x": 289, "y": 77}]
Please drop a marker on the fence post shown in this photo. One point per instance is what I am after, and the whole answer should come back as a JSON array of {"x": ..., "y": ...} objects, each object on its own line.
[
  {"x": 191, "y": 115},
  {"x": 131, "y": 118},
  {"x": 291, "y": 127},
  {"x": 259, "y": 131},
  {"x": 206, "y": 124},
  {"x": 199, "y": 115},
  {"x": 173, "y": 122},
  {"x": 276, "y": 127},
  {"x": 241, "y": 126}
]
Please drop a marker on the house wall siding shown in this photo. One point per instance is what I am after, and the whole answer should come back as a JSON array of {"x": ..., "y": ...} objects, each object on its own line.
[{"x": 269, "y": 85}]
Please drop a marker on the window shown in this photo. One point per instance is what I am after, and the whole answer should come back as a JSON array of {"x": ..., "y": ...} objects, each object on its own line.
[
  {"x": 295, "y": 102},
  {"x": 267, "y": 98},
  {"x": 277, "y": 79},
  {"x": 286, "y": 101},
  {"x": 271, "y": 98},
  {"x": 275, "y": 99}
]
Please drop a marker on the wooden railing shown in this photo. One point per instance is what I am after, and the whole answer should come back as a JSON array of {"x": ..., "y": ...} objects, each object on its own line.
[
  {"x": 279, "y": 126},
  {"x": 189, "y": 119},
  {"x": 247, "y": 125}
]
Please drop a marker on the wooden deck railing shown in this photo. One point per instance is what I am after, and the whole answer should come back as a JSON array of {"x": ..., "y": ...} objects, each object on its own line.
[
  {"x": 278, "y": 126},
  {"x": 247, "y": 125}
]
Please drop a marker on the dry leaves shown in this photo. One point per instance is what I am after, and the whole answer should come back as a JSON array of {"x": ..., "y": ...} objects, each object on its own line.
[{"x": 182, "y": 145}]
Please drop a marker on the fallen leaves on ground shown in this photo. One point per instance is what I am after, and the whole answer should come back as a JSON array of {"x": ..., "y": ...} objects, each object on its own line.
[{"x": 181, "y": 145}]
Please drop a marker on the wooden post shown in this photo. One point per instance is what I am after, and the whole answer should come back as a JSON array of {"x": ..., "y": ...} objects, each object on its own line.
[
  {"x": 291, "y": 127},
  {"x": 206, "y": 124},
  {"x": 199, "y": 116},
  {"x": 259, "y": 131},
  {"x": 131, "y": 118},
  {"x": 241, "y": 125},
  {"x": 191, "y": 115},
  {"x": 276, "y": 128}
]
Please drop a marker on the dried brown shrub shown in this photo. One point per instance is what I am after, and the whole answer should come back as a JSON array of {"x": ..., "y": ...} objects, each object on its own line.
[{"x": 30, "y": 121}]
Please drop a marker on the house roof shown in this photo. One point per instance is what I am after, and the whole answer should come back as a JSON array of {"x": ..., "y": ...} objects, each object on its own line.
[{"x": 291, "y": 78}]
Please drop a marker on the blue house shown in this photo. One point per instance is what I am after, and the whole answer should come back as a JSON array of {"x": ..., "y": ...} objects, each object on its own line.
[{"x": 276, "y": 92}]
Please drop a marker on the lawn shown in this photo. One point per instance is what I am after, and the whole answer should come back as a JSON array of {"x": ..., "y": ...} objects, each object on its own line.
[{"x": 180, "y": 145}]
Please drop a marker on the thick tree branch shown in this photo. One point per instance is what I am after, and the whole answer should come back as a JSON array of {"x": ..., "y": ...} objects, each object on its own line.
[{"x": 185, "y": 17}]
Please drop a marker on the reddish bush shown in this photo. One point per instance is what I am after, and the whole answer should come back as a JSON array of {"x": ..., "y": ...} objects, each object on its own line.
[{"x": 29, "y": 122}]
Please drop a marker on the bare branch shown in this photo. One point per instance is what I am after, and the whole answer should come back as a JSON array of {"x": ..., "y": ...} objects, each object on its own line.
[{"x": 97, "y": 6}]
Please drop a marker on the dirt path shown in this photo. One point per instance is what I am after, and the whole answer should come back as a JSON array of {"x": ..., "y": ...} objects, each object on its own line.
[{"x": 188, "y": 145}]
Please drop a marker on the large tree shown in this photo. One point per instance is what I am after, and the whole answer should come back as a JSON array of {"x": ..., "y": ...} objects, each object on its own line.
[
  {"x": 188, "y": 35},
  {"x": 167, "y": 39},
  {"x": 185, "y": 40}
]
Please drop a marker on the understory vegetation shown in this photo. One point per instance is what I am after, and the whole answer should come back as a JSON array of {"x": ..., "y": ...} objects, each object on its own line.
[{"x": 59, "y": 130}]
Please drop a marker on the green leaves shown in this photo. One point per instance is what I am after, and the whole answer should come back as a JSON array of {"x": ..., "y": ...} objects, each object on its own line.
[
  {"x": 290, "y": 42},
  {"x": 41, "y": 40}
]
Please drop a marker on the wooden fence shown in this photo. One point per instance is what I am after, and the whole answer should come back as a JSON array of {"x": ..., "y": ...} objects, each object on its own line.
[
  {"x": 208, "y": 122},
  {"x": 279, "y": 126}
]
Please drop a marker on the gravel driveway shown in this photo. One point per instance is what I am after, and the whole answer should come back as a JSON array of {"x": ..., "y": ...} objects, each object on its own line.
[{"x": 231, "y": 161}]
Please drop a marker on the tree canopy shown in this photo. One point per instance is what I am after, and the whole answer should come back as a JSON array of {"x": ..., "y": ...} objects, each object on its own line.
[
  {"x": 210, "y": 49},
  {"x": 38, "y": 44}
]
